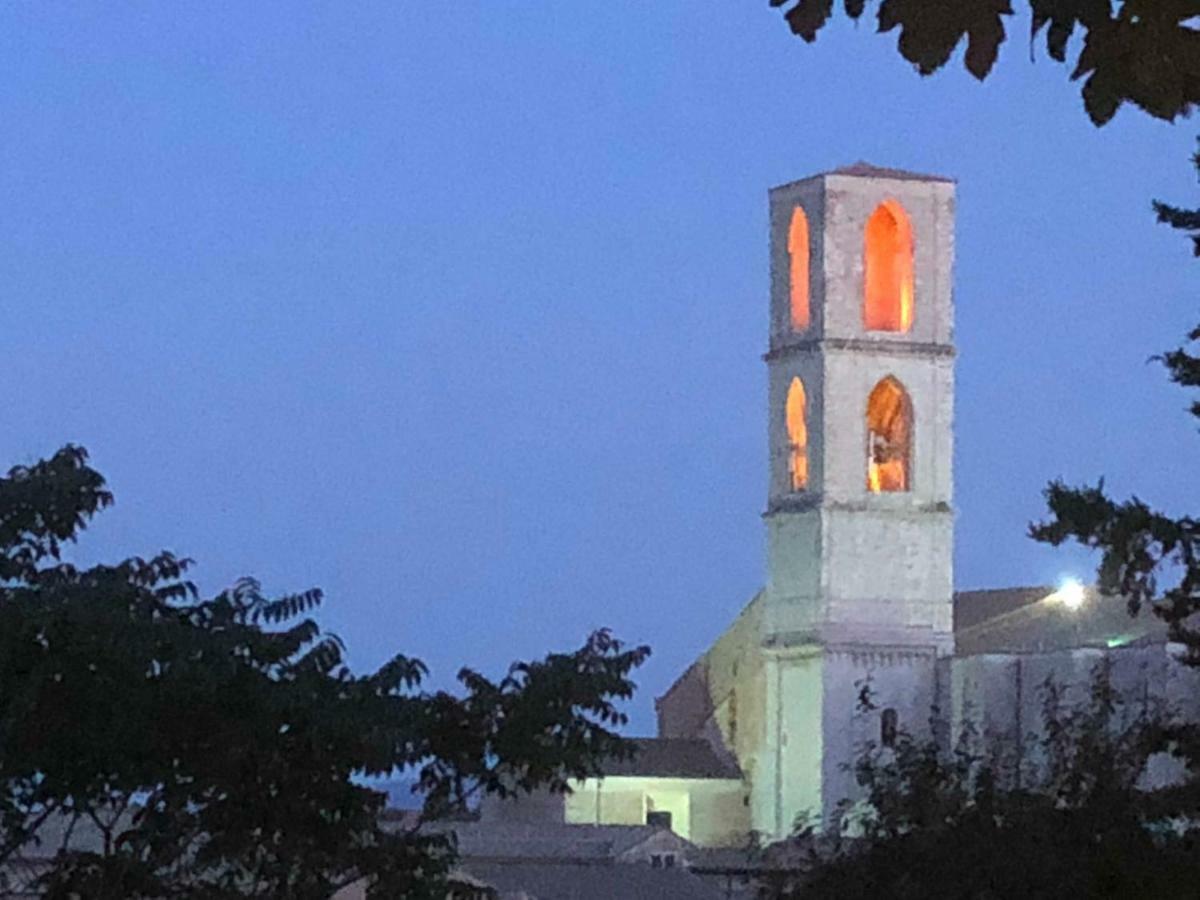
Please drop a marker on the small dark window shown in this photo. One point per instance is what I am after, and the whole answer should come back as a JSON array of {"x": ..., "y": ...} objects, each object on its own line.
[
  {"x": 656, "y": 861},
  {"x": 669, "y": 860},
  {"x": 888, "y": 725},
  {"x": 659, "y": 819}
]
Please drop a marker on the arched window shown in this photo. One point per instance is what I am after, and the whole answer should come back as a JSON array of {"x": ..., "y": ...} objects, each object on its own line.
[
  {"x": 888, "y": 269},
  {"x": 798, "y": 269},
  {"x": 797, "y": 432},
  {"x": 889, "y": 437}
]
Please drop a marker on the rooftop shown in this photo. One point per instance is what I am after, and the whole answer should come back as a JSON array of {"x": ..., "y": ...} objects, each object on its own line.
[
  {"x": 553, "y": 841},
  {"x": 864, "y": 169},
  {"x": 672, "y": 758},
  {"x": 1036, "y": 620}
]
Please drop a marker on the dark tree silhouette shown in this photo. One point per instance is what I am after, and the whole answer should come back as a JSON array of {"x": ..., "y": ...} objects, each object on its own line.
[
  {"x": 179, "y": 747},
  {"x": 1146, "y": 52},
  {"x": 1066, "y": 818},
  {"x": 1150, "y": 558}
]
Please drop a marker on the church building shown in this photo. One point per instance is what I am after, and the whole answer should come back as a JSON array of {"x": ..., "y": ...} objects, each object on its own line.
[{"x": 757, "y": 735}]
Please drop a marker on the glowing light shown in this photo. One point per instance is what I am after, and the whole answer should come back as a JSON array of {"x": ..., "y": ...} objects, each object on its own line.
[
  {"x": 874, "y": 478},
  {"x": 798, "y": 263},
  {"x": 797, "y": 429},
  {"x": 1071, "y": 594},
  {"x": 888, "y": 269},
  {"x": 889, "y": 437}
]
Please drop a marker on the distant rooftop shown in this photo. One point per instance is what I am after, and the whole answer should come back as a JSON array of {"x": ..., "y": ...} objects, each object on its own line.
[{"x": 672, "y": 758}]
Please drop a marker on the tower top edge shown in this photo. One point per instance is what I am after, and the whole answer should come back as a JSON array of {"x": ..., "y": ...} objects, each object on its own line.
[{"x": 862, "y": 169}]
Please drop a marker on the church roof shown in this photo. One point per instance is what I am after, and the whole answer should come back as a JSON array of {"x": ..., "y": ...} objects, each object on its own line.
[
  {"x": 1035, "y": 620},
  {"x": 672, "y": 758}
]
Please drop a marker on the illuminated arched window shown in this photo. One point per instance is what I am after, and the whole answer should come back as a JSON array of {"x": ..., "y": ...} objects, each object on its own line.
[
  {"x": 889, "y": 437},
  {"x": 797, "y": 431},
  {"x": 888, "y": 269},
  {"x": 798, "y": 268}
]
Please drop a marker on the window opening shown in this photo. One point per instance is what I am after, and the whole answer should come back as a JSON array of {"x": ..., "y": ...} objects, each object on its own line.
[
  {"x": 889, "y": 437},
  {"x": 798, "y": 264},
  {"x": 888, "y": 269},
  {"x": 658, "y": 819},
  {"x": 797, "y": 432}
]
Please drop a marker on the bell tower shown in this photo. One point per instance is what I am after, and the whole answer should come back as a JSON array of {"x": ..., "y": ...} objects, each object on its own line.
[{"x": 859, "y": 515}]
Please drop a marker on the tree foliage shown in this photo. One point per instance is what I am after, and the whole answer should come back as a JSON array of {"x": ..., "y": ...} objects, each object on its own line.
[
  {"x": 174, "y": 746},
  {"x": 1064, "y": 818},
  {"x": 1149, "y": 557},
  {"x": 1146, "y": 52}
]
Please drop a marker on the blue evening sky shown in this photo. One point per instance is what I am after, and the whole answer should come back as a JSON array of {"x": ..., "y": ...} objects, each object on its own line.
[{"x": 455, "y": 309}]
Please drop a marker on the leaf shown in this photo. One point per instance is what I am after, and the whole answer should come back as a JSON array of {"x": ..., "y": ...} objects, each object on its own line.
[
  {"x": 1100, "y": 99},
  {"x": 983, "y": 47},
  {"x": 1145, "y": 51},
  {"x": 807, "y": 17}
]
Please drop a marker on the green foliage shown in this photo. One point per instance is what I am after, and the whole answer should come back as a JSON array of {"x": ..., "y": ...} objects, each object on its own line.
[
  {"x": 1062, "y": 819},
  {"x": 1183, "y": 369},
  {"x": 214, "y": 748},
  {"x": 1148, "y": 557},
  {"x": 1146, "y": 52}
]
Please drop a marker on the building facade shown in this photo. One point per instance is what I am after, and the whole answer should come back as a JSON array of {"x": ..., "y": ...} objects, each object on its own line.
[
  {"x": 859, "y": 520},
  {"x": 858, "y": 635}
]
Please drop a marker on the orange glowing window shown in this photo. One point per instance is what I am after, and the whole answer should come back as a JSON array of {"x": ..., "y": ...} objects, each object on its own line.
[
  {"x": 798, "y": 267},
  {"x": 888, "y": 269},
  {"x": 797, "y": 431},
  {"x": 889, "y": 437}
]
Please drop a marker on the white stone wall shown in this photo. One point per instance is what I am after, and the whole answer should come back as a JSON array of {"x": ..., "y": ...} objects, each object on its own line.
[
  {"x": 710, "y": 812},
  {"x": 904, "y": 680},
  {"x": 850, "y": 374},
  {"x": 840, "y": 557},
  {"x": 810, "y": 195},
  {"x": 849, "y": 202},
  {"x": 860, "y": 585},
  {"x": 795, "y": 746},
  {"x": 794, "y": 578},
  {"x": 838, "y": 207},
  {"x": 888, "y": 575},
  {"x": 1000, "y": 698}
]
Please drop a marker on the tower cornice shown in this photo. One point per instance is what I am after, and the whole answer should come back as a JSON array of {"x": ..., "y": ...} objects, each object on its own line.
[
  {"x": 874, "y": 503},
  {"x": 896, "y": 348}
]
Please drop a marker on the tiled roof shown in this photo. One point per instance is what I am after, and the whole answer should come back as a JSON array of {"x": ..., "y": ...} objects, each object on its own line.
[
  {"x": 672, "y": 758},
  {"x": 553, "y": 841},
  {"x": 1035, "y": 620}
]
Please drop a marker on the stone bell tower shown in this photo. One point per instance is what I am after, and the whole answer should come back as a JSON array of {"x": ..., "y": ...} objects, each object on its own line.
[{"x": 859, "y": 513}]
